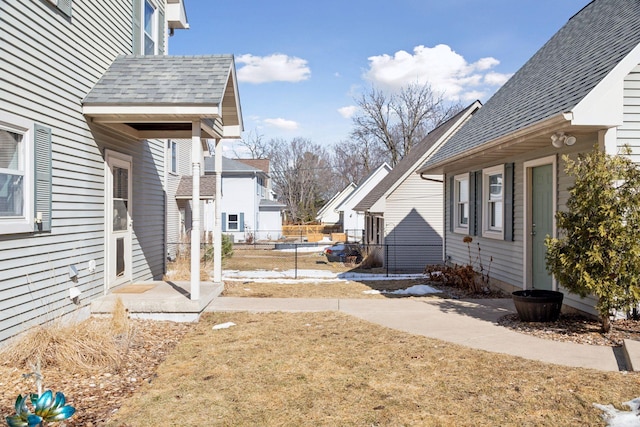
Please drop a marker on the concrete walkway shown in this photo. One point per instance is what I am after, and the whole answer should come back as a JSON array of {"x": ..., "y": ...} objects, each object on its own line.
[{"x": 471, "y": 323}]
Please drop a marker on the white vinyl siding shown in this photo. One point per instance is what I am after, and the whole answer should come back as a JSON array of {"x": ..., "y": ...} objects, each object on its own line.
[
  {"x": 49, "y": 63},
  {"x": 629, "y": 132},
  {"x": 414, "y": 224}
]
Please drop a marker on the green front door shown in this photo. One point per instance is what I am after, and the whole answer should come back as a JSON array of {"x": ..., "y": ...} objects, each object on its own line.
[{"x": 541, "y": 223}]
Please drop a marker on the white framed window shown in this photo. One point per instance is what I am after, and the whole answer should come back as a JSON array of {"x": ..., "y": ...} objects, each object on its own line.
[
  {"x": 173, "y": 157},
  {"x": 493, "y": 202},
  {"x": 149, "y": 28},
  {"x": 233, "y": 222},
  {"x": 461, "y": 203},
  {"x": 16, "y": 175}
]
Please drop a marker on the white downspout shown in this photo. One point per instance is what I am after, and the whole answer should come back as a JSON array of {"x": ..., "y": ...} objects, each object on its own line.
[
  {"x": 217, "y": 231},
  {"x": 196, "y": 156}
]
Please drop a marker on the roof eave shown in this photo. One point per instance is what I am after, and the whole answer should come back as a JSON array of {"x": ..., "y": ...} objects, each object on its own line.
[{"x": 512, "y": 143}]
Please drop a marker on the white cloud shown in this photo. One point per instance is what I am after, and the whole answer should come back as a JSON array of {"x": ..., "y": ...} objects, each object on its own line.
[
  {"x": 281, "y": 123},
  {"x": 348, "y": 112},
  {"x": 496, "y": 79},
  {"x": 440, "y": 66},
  {"x": 273, "y": 68}
]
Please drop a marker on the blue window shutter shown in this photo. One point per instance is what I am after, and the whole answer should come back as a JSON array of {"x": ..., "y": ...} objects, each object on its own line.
[
  {"x": 477, "y": 195},
  {"x": 241, "y": 225},
  {"x": 509, "y": 169},
  {"x": 161, "y": 33},
  {"x": 42, "y": 176},
  {"x": 65, "y": 7},
  {"x": 136, "y": 21},
  {"x": 473, "y": 228},
  {"x": 224, "y": 221},
  {"x": 452, "y": 195}
]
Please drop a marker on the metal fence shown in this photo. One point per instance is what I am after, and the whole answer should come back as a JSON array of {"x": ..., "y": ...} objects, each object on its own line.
[{"x": 292, "y": 258}]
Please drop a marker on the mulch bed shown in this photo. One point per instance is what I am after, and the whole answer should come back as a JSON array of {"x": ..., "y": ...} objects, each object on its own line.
[{"x": 97, "y": 395}]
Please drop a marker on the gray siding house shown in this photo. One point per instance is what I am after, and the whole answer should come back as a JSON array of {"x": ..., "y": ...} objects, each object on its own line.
[
  {"x": 82, "y": 173},
  {"x": 403, "y": 213},
  {"x": 504, "y": 173}
]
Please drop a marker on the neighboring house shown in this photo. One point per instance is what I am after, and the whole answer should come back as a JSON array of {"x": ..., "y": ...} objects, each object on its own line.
[
  {"x": 249, "y": 211},
  {"x": 85, "y": 93},
  {"x": 179, "y": 197},
  {"x": 329, "y": 214},
  {"x": 503, "y": 170},
  {"x": 353, "y": 221},
  {"x": 404, "y": 211}
]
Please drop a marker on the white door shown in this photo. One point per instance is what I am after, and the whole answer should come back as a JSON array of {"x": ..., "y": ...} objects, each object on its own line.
[{"x": 119, "y": 220}]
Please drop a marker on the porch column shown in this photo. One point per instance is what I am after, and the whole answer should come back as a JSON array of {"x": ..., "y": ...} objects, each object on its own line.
[
  {"x": 196, "y": 155},
  {"x": 217, "y": 231}
]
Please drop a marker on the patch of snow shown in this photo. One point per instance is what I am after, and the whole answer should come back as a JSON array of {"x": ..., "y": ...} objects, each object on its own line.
[
  {"x": 223, "y": 325},
  {"x": 617, "y": 418},
  {"x": 309, "y": 276},
  {"x": 305, "y": 249},
  {"x": 416, "y": 290},
  {"x": 365, "y": 276}
]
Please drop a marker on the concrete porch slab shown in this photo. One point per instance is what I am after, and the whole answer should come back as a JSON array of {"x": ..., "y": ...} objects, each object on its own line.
[{"x": 158, "y": 300}]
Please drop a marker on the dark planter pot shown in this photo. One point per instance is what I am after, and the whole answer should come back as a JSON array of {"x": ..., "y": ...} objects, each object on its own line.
[{"x": 537, "y": 305}]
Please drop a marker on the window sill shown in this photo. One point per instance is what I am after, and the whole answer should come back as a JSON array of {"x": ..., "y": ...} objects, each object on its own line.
[
  {"x": 461, "y": 230},
  {"x": 16, "y": 227},
  {"x": 491, "y": 234}
]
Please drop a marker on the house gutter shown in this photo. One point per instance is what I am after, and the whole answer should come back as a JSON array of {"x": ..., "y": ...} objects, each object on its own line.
[
  {"x": 430, "y": 179},
  {"x": 548, "y": 125}
]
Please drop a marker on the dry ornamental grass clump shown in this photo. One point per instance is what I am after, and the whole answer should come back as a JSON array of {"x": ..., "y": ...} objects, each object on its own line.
[{"x": 89, "y": 345}]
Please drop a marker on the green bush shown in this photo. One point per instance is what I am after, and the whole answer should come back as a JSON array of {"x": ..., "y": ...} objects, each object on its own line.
[
  {"x": 597, "y": 251},
  {"x": 227, "y": 249}
]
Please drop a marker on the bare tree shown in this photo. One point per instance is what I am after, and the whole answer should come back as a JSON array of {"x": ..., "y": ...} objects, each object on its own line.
[
  {"x": 255, "y": 144},
  {"x": 400, "y": 120},
  {"x": 353, "y": 160},
  {"x": 299, "y": 170}
]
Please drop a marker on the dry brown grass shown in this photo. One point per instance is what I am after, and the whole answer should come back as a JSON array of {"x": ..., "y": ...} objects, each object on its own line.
[
  {"x": 338, "y": 289},
  {"x": 328, "y": 369},
  {"x": 266, "y": 259},
  {"x": 180, "y": 269},
  {"x": 89, "y": 345}
]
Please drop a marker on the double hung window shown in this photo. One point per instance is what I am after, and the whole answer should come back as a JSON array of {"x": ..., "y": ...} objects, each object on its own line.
[
  {"x": 16, "y": 175},
  {"x": 493, "y": 191},
  {"x": 461, "y": 205}
]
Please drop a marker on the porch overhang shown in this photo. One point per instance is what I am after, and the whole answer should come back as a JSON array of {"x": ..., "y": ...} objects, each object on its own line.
[
  {"x": 531, "y": 138},
  {"x": 162, "y": 96}
]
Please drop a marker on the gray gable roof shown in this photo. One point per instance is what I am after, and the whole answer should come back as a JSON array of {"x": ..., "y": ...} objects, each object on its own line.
[
  {"x": 556, "y": 78},
  {"x": 157, "y": 79},
  {"x": 408, "y": 162}
]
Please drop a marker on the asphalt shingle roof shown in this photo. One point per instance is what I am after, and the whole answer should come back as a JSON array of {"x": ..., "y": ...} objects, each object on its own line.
[
  {"x": 207, "y": 187},
  {"x": 162, "y": 80},
  {"x": 556, "y": 78},
  {"x": 408, "y": 162},
  {"x": 228, "y": 165}
]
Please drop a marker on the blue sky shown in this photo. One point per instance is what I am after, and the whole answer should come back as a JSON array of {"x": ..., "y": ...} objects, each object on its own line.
[{"x": 301, "y": 64}]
